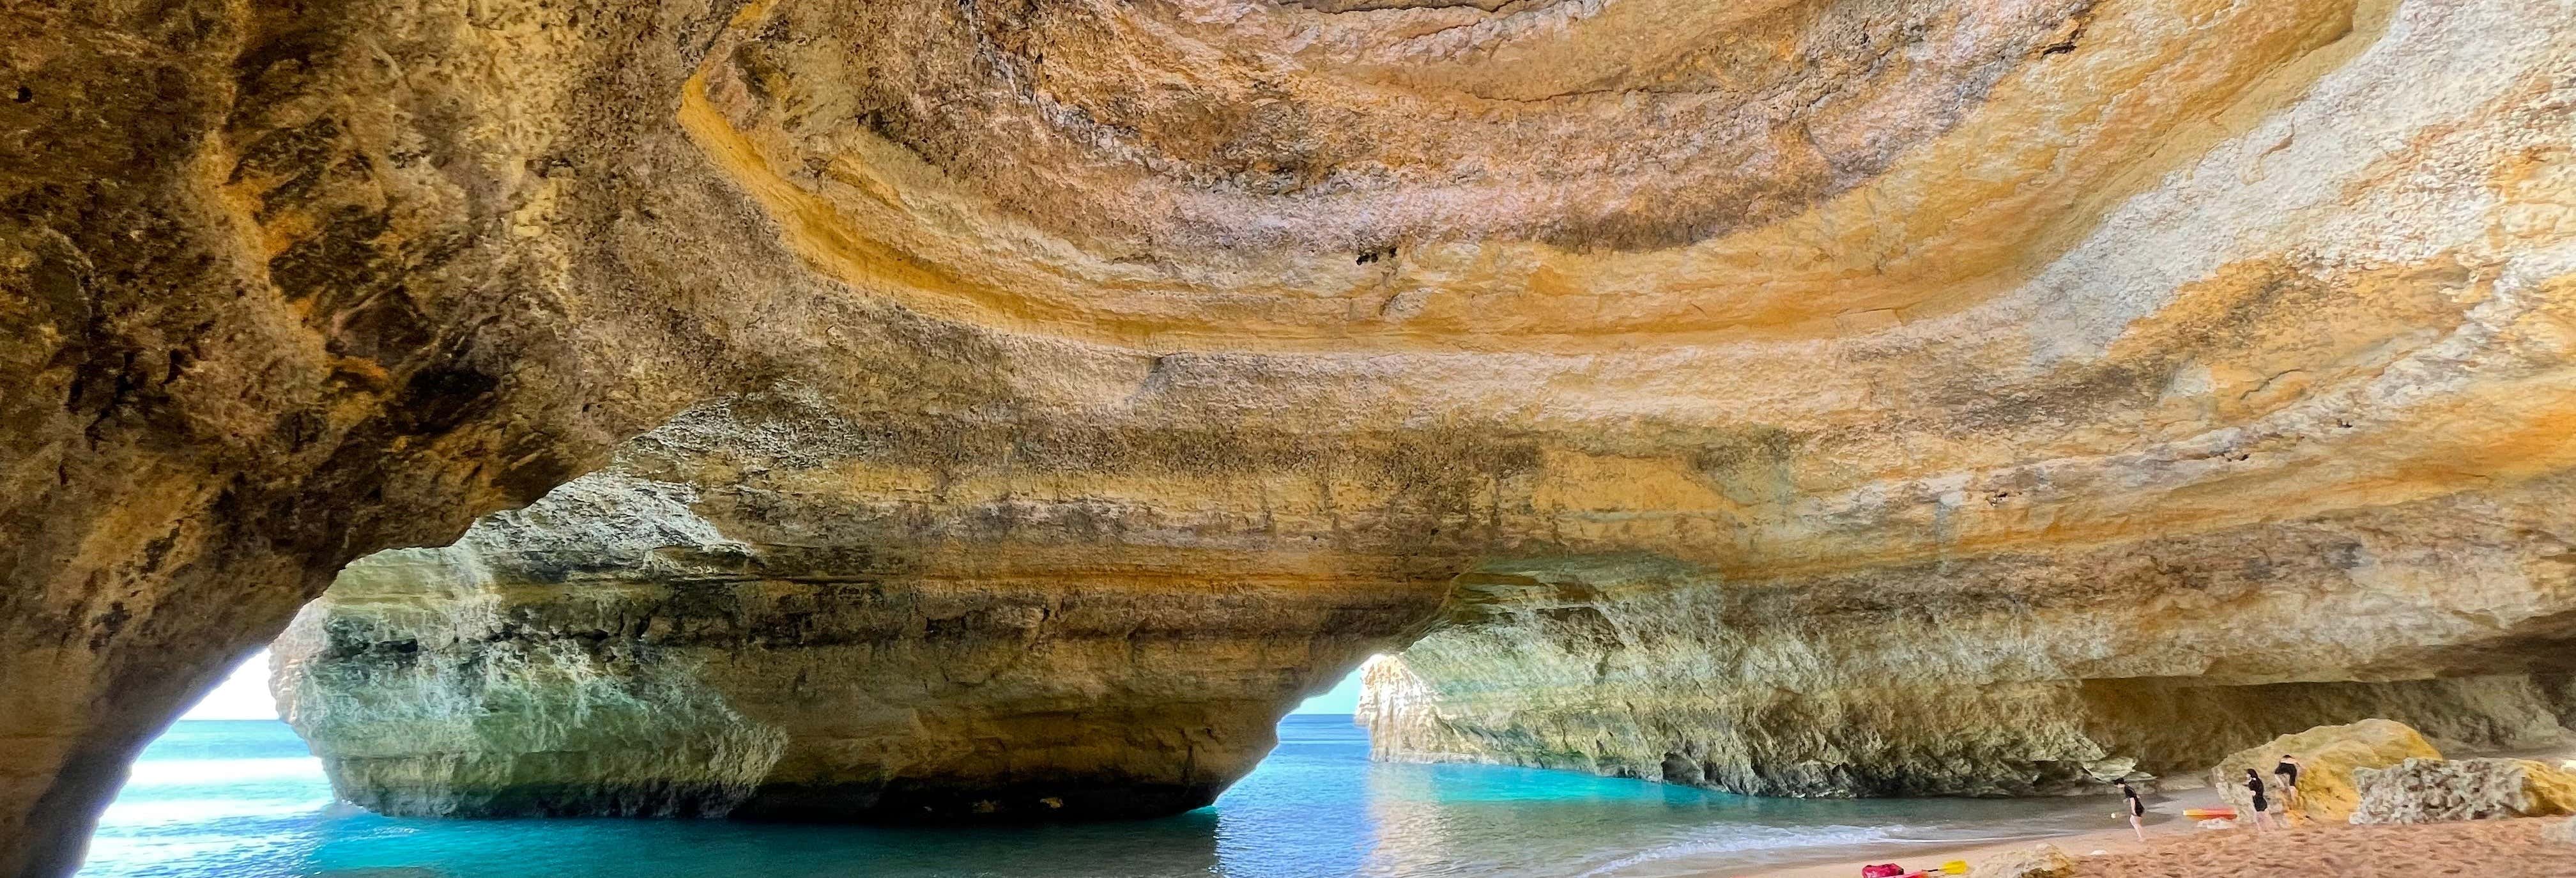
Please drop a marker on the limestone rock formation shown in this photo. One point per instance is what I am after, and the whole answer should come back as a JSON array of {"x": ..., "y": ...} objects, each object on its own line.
[
  {"x": 2038, "y": 861},
  {"x": 726, "y": 622},
  {"x": 2438, "y": 790},
  {"x": 284, "y": 284},
  {"x": 2328, "y": 756},
  {"x": 1818, "y": 396},
  {"x": 1647, "y": 670}
]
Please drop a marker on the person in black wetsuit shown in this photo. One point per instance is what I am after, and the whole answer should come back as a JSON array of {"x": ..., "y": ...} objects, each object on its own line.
[
  {"x": 2287, "y": 772},
  {"x": 2262, "y": 806},
  {"x": 2136, "y": 809}
]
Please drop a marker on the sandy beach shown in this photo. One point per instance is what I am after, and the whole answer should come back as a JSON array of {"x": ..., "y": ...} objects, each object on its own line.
[
  {"x": 2165, "y": 827},
  {"x": 2177, "y": 848},
  {"x": 2114, "y": 841}
]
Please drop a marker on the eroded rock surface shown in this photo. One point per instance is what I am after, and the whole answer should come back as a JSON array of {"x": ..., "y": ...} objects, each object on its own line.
[
  {"x": 284, "y": 284},
  {"x": 1863, "y": 686},
  {"x": 1823, "y": 378},
  {"x": 2438, "y": 790},
  {"x": 755, "y": 613}
]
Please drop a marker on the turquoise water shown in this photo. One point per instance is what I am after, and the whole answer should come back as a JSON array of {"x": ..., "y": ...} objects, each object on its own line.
[{"x": 241, "y": 799}]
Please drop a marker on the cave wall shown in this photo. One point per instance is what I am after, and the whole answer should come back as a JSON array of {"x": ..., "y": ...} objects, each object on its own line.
[
  {"x": 2015, "y": 672},
  {"x": 2180, "y": 532},
  {"x": 1779, "y": 292},
  {"x": 284, "y": 284}
]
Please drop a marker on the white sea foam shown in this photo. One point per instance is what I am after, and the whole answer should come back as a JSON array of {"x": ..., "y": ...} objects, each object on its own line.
[{"x": 1739, "y": 838}]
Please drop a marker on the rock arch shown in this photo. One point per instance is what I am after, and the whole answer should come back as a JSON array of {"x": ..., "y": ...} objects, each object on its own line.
[{"x": 1866, "y": 296}]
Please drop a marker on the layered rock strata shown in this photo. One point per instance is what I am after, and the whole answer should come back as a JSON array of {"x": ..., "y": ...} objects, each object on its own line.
[
  {"x": 2008, "y": 673},
  {"x": 2019, "y": 310},
  {"x": 2151, "y": 658},
  {"x": 747, "y": 616}
]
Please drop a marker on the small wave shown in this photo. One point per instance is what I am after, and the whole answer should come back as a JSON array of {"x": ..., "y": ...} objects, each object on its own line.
[
  {"x": 1979, "y": 839},
  {"x": 1746, "y": 838}
]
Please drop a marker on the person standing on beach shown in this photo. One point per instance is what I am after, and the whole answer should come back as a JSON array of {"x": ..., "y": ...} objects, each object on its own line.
[
  {"x": 2262, "y": 806},
  {"x": 2137, "y": 809}
]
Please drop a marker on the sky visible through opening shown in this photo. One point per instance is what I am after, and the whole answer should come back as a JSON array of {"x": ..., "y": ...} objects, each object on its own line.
[{"x": 244, "y": 695}]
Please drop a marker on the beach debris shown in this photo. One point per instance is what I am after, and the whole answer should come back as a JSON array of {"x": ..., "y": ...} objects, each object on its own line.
[
  {"x": 2037, "y": 861},
  {"x": 2217, "y": 823},
  {"x": 2438, "y": 790},
  {"x": 1955, "y": 867}
]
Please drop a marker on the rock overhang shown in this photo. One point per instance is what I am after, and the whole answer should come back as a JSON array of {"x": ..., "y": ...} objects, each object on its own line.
[
  {"x": 1080, "y": 201},
  {"x": 1729, "y": 286}
]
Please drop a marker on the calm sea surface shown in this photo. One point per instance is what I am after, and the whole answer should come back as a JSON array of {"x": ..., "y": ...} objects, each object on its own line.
[{"x": 227, "y": 799}]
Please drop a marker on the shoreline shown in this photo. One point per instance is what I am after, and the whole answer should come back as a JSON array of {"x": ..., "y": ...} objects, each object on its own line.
[
  {"x": 1932, "y": 855},
  {"x": 2517, "y": 847},
  {"x": 2164, "y": 822},
  {"x": 2165, "y": 825}
]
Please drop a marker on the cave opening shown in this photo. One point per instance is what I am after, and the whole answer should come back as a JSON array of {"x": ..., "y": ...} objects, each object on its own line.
[
  {"x": 230, "y": 786},
  {"x": 1321, "y": 801},
  {"x": 1341, "y": 700}
]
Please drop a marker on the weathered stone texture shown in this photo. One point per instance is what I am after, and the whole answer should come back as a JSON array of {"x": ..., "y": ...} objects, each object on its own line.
[
  {"x": 2437, "y": 790},
  {"x": 1994, "y": 676},
  {"x": 1827, "y": 397},
  {"x": 283, "y": 284},
  {"x": 783, "y": 640}
]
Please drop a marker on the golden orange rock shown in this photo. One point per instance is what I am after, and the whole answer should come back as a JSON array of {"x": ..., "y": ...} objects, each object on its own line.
[{"x": 1812, "y": 396}]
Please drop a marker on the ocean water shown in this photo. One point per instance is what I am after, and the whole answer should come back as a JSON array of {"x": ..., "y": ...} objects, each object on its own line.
[{"x": 242, "y": 799}]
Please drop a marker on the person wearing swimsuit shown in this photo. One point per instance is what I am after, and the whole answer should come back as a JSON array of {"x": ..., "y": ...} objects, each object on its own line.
[
  {"x": 2254, "y": 784},
  {"x": 2287, "y": 772},
  {"x": 2137, "y": 809}
]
